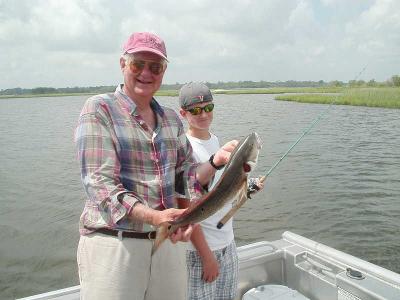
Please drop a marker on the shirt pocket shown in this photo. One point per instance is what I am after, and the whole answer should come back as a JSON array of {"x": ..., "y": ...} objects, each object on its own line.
[{"x": 167, "y": 151}]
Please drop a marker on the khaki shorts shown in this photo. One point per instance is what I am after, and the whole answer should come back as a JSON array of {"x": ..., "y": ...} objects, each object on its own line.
[{"x": 114, "y": 269}]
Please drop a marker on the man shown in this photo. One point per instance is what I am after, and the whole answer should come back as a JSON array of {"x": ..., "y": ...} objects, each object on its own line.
[
  {"x": 212, "y": 261},
  {"x": 134, "y": 155}
]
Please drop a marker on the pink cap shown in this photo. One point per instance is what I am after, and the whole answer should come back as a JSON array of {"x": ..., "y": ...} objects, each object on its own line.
[{"x": 145, "y": 42}]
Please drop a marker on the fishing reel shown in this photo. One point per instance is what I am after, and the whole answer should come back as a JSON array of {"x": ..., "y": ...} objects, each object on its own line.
[{"x": 252, "y": 187}]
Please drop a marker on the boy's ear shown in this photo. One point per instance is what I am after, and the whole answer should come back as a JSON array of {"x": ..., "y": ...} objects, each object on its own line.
[{"x": 182, "y": 112}]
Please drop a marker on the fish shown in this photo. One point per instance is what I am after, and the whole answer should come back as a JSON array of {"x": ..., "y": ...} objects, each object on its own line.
[{"x": 231, "y": 185}]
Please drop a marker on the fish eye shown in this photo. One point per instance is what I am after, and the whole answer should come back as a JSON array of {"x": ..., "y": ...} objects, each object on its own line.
[{"x": 246, "y": 167}]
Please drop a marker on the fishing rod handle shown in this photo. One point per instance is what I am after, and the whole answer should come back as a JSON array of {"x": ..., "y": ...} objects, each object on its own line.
[
  {"x": 232, "y": 211},
  {"x": 227, "y": 217}
]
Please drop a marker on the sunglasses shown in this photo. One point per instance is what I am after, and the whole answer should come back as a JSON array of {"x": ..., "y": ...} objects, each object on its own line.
[
  {"x": 197, "y": 110},
  {"x": 137, "y": 66}
]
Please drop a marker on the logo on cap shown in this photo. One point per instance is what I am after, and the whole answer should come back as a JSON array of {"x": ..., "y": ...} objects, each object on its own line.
[{"x": 151, "y": 41}]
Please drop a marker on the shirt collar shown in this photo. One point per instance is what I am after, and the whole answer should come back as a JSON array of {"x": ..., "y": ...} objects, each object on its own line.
[{"x": 130, "y": 105}]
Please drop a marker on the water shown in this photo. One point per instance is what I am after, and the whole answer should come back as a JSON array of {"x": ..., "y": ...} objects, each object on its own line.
[{"x": 340, "y": 185}]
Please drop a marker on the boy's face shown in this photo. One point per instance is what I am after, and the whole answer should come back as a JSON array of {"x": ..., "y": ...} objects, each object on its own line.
[{"x": 201, "y": 121}]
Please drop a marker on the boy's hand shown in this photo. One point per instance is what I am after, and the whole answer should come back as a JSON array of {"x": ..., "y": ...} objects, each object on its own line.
[
  {"x": 222, "y": 156},
  {"x": 210, "y": 268},
  {"x": 255, "y": 185},
  {"x": 183, "y": 234}
]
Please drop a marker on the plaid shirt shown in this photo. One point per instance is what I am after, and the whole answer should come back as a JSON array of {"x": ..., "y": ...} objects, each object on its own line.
[{"x": 123, "y": 161}]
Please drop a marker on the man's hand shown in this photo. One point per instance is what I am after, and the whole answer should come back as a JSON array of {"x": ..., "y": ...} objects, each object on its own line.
[
  {"x": 158, "y": 217},
  {"x": 154, "y": 217},
  {"x": 182, "y": 234},
  {"x": 166, "y": 215}
]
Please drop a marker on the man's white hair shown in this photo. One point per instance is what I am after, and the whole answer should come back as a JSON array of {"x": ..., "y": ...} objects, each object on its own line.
[{"x": 128, "y": 57}]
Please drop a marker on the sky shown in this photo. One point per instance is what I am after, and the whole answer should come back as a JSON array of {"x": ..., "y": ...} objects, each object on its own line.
[{"x": 56, "y": 43}]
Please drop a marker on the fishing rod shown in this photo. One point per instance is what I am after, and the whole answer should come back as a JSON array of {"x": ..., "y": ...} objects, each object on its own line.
[
  {"x": 306, "y": 131},
  {"x": 242, "y": 199}
]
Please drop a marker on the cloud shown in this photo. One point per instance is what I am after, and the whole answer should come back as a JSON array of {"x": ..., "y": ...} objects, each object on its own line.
[
  {"x": 377, "y": 30},
  {"x": 78, "y": 42},
  {"x": 58, "y": 26}
]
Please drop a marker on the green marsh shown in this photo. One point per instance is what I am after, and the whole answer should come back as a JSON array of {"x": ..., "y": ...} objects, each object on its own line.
[{"x": 388, "y": 97}]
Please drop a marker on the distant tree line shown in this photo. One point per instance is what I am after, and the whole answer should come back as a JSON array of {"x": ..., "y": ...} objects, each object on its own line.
[
  {"x": 393, "y": 81},
  {"x": 50, "y": 90}
]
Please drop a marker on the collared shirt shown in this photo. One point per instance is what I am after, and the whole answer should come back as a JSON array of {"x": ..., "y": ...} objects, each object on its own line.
[{"x": 123, "y": 161}]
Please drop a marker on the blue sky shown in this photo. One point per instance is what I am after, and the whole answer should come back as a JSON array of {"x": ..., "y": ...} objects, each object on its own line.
[{"x": 78, "y": 42}]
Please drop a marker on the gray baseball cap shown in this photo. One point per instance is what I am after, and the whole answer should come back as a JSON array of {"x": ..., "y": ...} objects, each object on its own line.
[{"x": 194, "y": 92}]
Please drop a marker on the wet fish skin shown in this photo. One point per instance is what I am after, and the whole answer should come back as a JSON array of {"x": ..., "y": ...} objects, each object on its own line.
[{"x": 232, "y": 184}]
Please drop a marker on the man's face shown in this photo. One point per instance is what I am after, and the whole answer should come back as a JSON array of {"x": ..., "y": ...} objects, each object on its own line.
[
  {"x": 142, "y": 82},
  {"x": 201, "y": 121}
]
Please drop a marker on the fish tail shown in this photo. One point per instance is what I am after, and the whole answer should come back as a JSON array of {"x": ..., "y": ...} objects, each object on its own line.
[{"x": 161, "y": 236}]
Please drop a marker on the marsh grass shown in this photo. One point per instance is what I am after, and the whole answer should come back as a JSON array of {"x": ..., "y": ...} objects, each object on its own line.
[
  {"x": 279, "y": 90},
  {"x": 260, "y": 91},
  {"x": 171, "y": 93},
  {"x": 372, "y": 97}
]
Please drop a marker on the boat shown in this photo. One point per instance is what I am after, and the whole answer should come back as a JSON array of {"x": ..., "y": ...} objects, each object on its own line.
[{"x": 297, "y": 268}]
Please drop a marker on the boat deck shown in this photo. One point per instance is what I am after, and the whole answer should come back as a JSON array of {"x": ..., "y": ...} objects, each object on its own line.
[{"x": 312, "y": 270}]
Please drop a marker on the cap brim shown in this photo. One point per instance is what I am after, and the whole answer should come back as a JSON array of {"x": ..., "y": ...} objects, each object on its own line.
[{"x": 146, "y": 49}]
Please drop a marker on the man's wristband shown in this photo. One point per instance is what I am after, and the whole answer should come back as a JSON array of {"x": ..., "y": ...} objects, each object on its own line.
[{"x": 211, "y": 161}]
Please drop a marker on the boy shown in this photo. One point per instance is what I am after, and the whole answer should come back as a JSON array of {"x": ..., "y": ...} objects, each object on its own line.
[{"x": 212, "y": 261}]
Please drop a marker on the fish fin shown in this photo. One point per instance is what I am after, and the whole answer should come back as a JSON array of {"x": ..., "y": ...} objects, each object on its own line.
[
  {"x": 161, "y": 236},
  {"x": 235, "y": 200},
  {"x": 194, "y": 203},
  {"x": 239, "y": 201}
]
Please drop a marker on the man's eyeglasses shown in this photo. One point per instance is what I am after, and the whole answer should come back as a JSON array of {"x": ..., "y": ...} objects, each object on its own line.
[
  {"x": 197, "y": 110},
  {"x": 137, "y": 66}
]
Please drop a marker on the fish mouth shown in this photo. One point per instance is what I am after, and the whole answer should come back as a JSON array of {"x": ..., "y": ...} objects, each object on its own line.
[
  {"x": 253, "y": 157},
  {"x": 252, "y": 164},
  {"x": 258, "y": 141}
]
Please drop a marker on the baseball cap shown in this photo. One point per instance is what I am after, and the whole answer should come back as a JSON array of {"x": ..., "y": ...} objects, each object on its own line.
[
  {"x": 194, "y": 92},
  {"x": 145, "y": 42}
]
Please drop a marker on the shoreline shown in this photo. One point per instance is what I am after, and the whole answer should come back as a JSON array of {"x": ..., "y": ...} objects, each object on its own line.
[
  {"x": 172, "y": 93},
  {"x": 384, "y": 97}
]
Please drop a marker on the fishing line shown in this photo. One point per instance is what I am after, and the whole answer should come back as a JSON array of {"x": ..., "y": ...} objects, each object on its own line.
[
  {"x": 307, "y": 130},
  {"x": 242, "y": 200}
]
